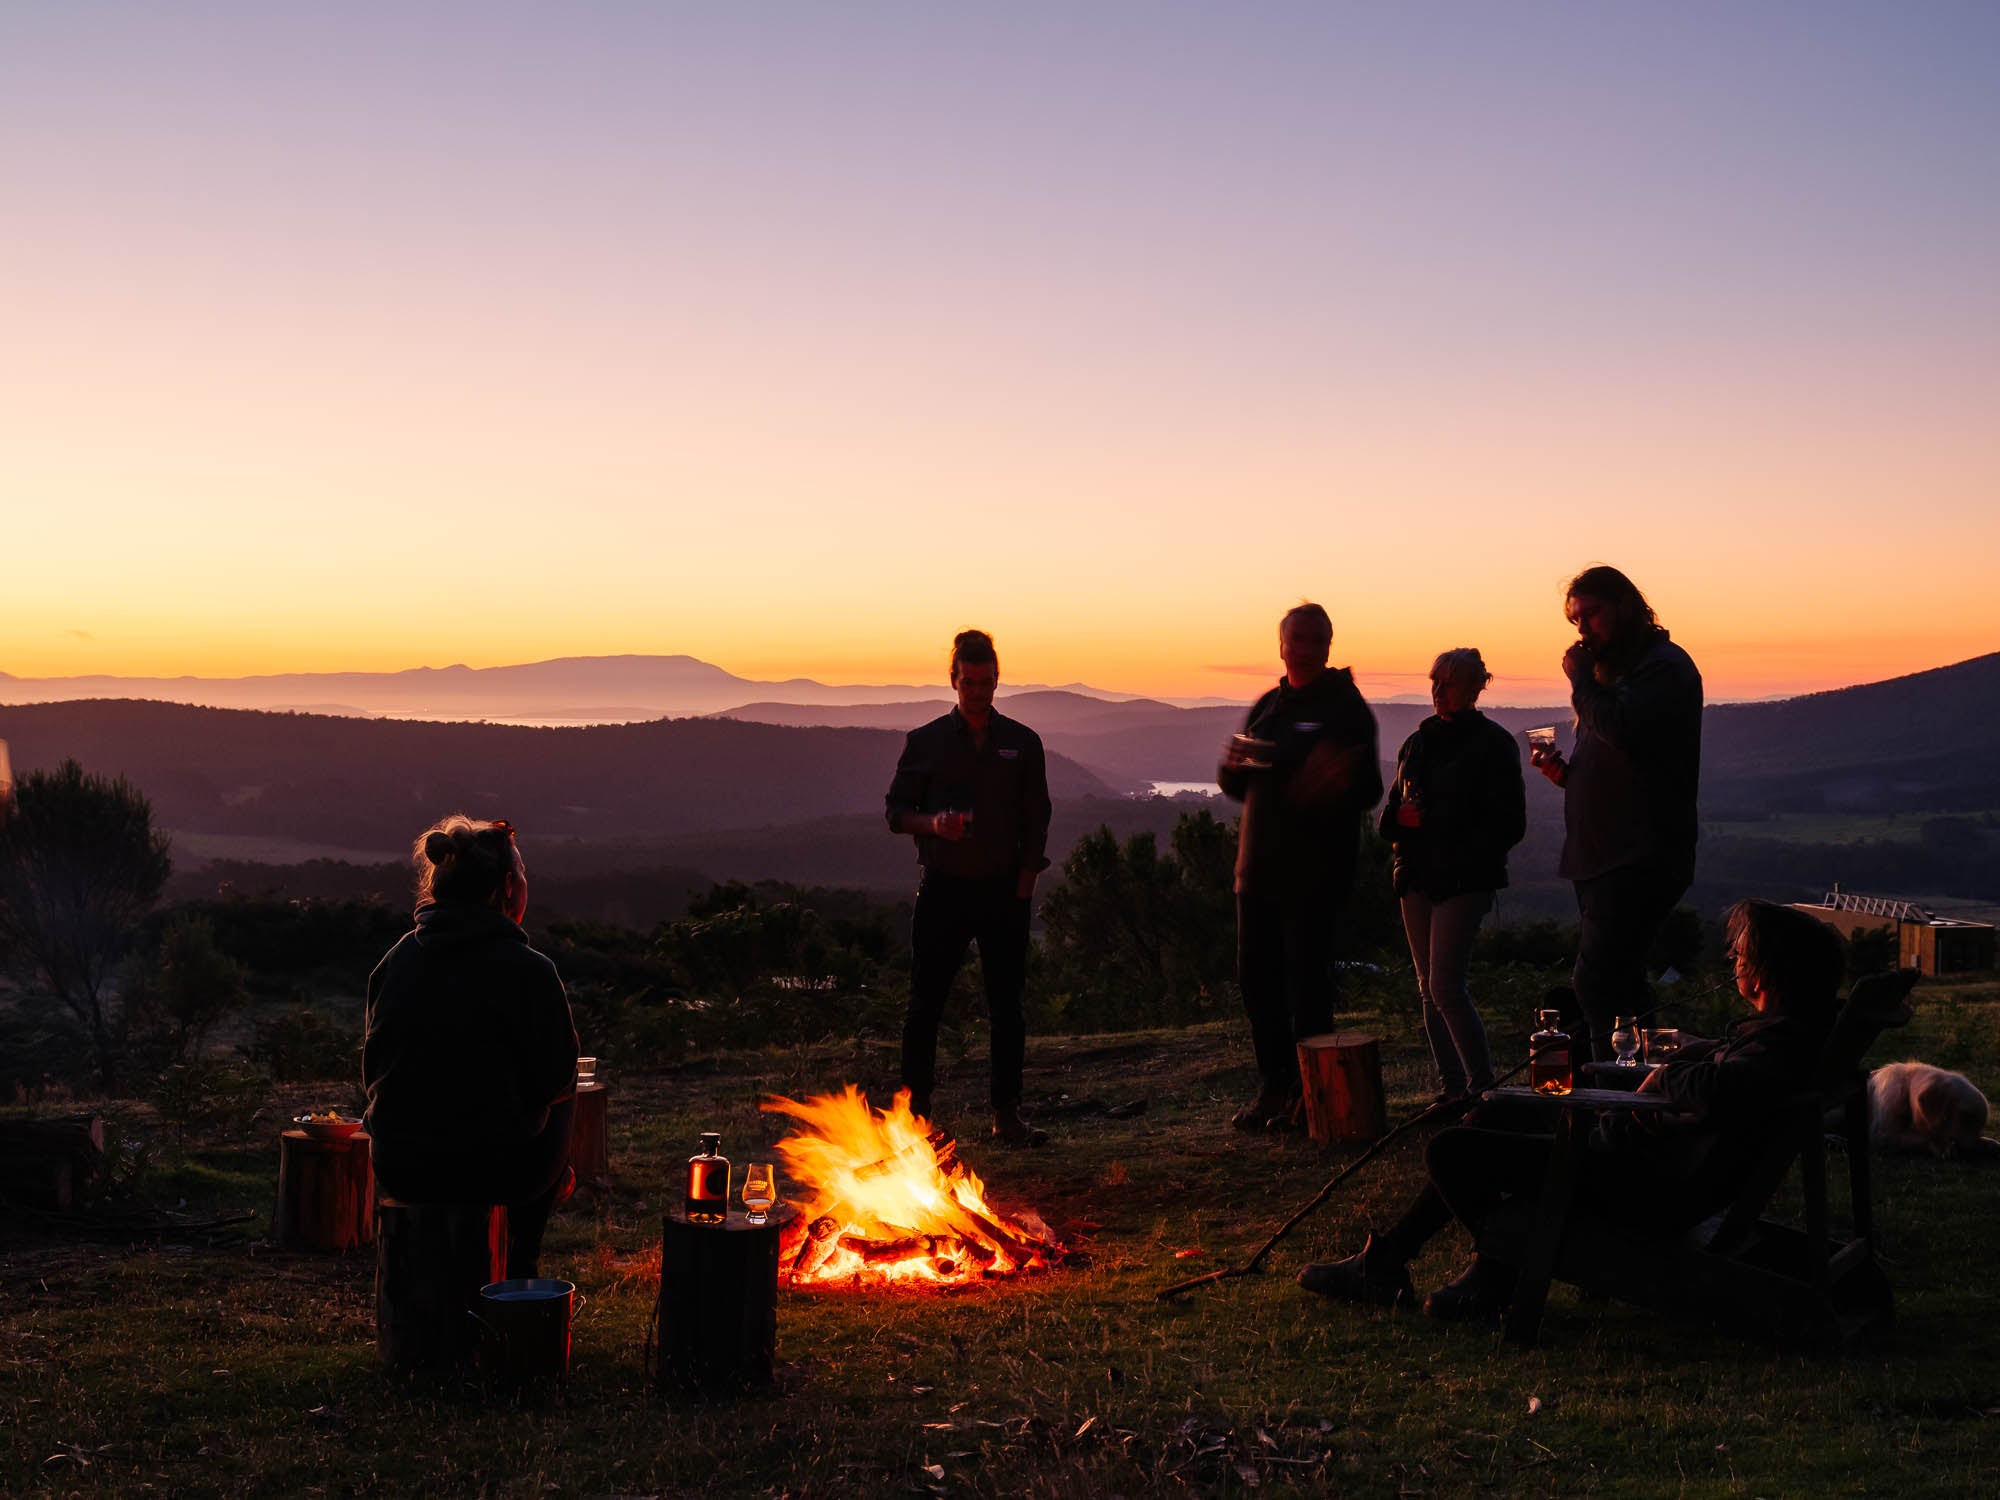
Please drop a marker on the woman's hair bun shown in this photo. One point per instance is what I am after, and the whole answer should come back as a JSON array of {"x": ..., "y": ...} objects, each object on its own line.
[{"x": 439, "y": 847}]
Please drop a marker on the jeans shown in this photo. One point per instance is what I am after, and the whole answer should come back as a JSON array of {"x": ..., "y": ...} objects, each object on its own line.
[
  {"x": 1284, "y": 964},
  {"x": 1619, "y": 913},
  {"x": 1441, "y": 934},
  {"x": 951, "y": 914}
]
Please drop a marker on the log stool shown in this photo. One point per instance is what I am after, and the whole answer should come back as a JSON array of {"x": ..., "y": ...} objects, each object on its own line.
[
  {"x": 431, "y": 1259},
  {"x": 718, "y": 1302},
  {"x": 589, "y": 1137},
  {"x": 326, "y": 1192},
  {"x": 1341, "y": 1072}
]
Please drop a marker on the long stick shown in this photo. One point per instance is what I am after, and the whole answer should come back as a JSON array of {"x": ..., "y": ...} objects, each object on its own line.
[{"x": 1437, "y": 1109}]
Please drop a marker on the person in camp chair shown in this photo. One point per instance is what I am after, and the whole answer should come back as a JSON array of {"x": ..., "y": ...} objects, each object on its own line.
[{"x": 1663, "y": 1173}]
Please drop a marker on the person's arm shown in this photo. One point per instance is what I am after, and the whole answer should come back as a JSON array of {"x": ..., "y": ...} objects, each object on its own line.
[
  {"x": 909, "y": 789},
  {"x": 1661, "y": 688},
  {"x": 1035, "y": 813},
  {"x": 1386, "y": 824},
  {"x": 551, "y": 1043},
  {"x": 1232, "y": 775},
  {"x": 1344, "y": 770},
  {"x": 1505, "y": 807}
]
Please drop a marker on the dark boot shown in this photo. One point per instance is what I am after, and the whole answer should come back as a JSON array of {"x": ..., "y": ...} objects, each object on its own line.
[
  {"x": 1374, "y": 1276},
  {"x": 1267, "y": 1106},
  {"x": 1009, "y": 1127},
  {"x": 1481, "y": 1291}
]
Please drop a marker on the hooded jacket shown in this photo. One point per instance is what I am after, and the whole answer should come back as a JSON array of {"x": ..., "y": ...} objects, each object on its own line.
[{"x": 469, "y": 1043}]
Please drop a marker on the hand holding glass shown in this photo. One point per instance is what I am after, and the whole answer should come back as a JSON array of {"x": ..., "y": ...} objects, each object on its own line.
[{"x": 760, "y": 1191}]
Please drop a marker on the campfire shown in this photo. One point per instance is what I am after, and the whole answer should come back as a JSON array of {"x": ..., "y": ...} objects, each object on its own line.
[{"x": 886, "y": 1200}]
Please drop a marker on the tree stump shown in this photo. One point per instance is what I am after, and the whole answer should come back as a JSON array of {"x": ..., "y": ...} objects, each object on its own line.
[
  {"x": 718, "y": 1302},
  {"x": 431, "y": 1259},
  {"x": 1341, "y": 1072},
  {"x": 326, "y": 1192},
  {"x": 589, "y": 1137}
]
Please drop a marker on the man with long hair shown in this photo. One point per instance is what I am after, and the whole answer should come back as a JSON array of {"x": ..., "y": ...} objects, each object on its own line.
[{"x": 1629, "y": 787}]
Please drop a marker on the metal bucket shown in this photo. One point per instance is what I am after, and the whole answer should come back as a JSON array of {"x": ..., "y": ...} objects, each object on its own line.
[{"x": 526, "y": 1326}]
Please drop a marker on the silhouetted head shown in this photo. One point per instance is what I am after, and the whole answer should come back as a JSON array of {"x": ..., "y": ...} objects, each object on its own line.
[
  {"x": 975, "y": 673},
  {"x": 1458, "y": 677},
  {"x": 1305, "y": 638},
  {"x": 1787, "y": 963},
  {"x": 463, "y": 859},
  {"x": 1607, "y": 609}
]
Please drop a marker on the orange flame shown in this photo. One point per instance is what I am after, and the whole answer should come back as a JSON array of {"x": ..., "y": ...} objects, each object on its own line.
[{"x": 885, "y": 1198}]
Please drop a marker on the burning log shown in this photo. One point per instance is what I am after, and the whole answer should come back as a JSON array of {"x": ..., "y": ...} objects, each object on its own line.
[
  {"x": 822, "y": 1239},
  {"x": 879, "y": 1252},
  {"x": 893, "y": 1202}
]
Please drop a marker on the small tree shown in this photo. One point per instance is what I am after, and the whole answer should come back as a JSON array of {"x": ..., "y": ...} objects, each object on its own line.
[
  {"x": 170, "y": 1000},
  {"x": 80, "y": 865}
]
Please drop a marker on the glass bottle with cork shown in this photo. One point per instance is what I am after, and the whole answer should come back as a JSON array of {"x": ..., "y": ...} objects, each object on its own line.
[
  {"x": 708, "y": 1182},
  {"x": 1549, "y": 1070}
]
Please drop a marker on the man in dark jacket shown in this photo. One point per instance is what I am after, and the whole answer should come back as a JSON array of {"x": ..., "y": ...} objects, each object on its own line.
[
  {"x": 1629, "y": 786},
  {"x": 972, "y": 788},
  {"x": 1305, "y": 770},
  {"x": 1665, "y": 1176}
]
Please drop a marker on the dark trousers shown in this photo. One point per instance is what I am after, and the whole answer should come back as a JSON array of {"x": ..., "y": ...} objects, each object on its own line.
[
  {"x": 1501, "y": 1152},
  {"x": 952, "y": 913},
  {"x": 1619, "y": 914},
  {"x": 1284, "y": 965}
]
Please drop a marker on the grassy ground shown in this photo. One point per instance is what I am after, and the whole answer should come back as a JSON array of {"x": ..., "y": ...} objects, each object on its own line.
[{"x": 180, "y": 1366}]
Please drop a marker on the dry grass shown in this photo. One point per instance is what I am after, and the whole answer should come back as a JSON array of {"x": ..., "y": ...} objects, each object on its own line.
[{"x": 191, "y": 1369}]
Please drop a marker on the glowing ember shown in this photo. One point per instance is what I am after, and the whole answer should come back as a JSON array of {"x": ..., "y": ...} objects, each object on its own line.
[{"x": 886, "y": 1199}]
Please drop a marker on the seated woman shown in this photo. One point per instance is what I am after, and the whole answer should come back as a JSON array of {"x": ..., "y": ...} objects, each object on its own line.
[
  {"x": 1659, "y": 1173},
  {"x": 470, "y": 1052}
]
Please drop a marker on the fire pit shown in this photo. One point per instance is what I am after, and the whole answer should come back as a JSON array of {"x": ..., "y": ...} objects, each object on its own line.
[{"x": 885, "y": 1200}]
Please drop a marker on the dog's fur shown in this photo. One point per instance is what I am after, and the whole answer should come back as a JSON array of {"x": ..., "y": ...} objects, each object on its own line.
[{"x": 1913, "y": 1106}]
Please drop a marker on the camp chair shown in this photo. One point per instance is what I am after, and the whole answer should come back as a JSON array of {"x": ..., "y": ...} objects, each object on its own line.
[{"x": 1794, "y": 1286}]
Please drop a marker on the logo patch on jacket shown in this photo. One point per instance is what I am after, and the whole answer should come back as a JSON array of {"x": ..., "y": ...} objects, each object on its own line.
[
  {"x": 1306, "y": 728},
  {"x": 1009, "y": 754}
]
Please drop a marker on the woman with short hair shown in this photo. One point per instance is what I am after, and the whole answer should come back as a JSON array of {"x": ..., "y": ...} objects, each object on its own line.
[
  {"x": 470, "y": 1053},
  {"x": 1456, "y": 807}
]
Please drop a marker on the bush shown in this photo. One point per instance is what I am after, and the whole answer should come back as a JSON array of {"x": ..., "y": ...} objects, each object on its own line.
[
  {"x": 175, "y": 996},
  {"x": 303, "y": 1046},
  {"x": 210, "y": 1092}
]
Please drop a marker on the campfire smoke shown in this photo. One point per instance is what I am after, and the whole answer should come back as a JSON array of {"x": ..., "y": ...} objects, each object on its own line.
[{"x": 886, "y": 1199}]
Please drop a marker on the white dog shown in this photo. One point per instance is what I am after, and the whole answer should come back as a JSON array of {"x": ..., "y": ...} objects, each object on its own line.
[{"x": 1913, "y": 1106}]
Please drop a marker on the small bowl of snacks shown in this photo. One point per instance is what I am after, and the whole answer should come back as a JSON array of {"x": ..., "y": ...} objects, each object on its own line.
[{"x": 328, "y": 1124}]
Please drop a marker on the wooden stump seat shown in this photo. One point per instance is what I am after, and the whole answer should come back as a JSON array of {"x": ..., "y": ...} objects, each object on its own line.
[
  {"x": 326, "y": 1192},
  {"x": 589, "y": 1137},
  {"x": 718, "y": 1310},
  {"x": 431, "y": 1259},
  {"x": 1341, "y": 1073}
]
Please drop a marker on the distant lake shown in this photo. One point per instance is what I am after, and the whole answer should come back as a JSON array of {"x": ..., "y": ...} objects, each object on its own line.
[{"x": 1179, "y": 788}]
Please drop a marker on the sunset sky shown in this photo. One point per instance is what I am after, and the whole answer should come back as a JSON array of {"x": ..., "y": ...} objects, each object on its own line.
[{"x": 796, "y": 337}]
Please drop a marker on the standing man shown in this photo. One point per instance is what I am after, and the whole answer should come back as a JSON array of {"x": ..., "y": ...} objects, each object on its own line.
[
  {"x": 973, "y": 789},
  {"x": 1305, "y": 776},
  {"x": 1629, "y": 788}
]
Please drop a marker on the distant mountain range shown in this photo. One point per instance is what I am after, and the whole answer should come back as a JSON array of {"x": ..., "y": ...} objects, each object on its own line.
[
  {"x": 368, "y": 785},
  {"x": 765, "y": 787},
  {"x": 575, "y": 689}
]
